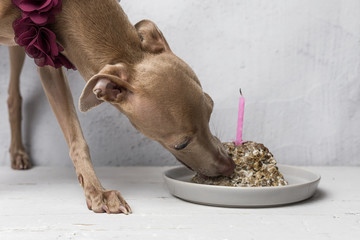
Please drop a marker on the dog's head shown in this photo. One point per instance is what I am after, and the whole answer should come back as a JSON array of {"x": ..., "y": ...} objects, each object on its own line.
[{"x": 163, "y": 99}]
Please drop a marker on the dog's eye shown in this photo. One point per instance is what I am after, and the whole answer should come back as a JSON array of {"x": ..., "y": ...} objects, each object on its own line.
[{"x": 182, "y": 145}]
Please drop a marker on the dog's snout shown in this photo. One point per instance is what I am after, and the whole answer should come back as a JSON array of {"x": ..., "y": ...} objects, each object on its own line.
[
  {"x": 226, "y": 163},
  {"x": 228, "y": 167}
]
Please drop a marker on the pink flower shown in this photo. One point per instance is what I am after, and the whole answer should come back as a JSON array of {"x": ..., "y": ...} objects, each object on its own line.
[
  {"x": 40, "y": 12},
  {"x": 40, "y": 43},
  {"x": 31, "y": 33},
  {"x": 25, "y": 31}
]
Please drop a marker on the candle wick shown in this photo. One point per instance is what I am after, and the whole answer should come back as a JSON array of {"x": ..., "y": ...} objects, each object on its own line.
[{"x": 240, "y": 91}]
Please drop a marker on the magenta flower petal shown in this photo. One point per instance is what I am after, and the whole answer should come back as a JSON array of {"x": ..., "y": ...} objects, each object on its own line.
[
  {"x": 44, "y": 60},
  {"x": 47, "y": 5},
  {"x": 25, "y": 38},
  {"x": 24, "y": 30},
  {"x": 51, "y": 41},
  {"x": 40, "y": 11},
  {"x": 31, "y": 5},
  {"x": 32, "y": 51},
  {"x": 38, "y": 18}
]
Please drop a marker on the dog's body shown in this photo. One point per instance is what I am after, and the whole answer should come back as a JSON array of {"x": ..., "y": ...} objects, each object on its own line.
[{"x": 132, "y": 68}]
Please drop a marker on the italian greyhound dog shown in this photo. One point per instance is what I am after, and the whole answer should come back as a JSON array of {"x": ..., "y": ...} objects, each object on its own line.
[{"x": 133, "y": 69}]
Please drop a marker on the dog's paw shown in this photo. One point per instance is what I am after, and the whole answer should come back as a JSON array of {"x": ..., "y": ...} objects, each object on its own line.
[
  {"x": 109, "y": 201},
  {"x": 20, "y": 160}
]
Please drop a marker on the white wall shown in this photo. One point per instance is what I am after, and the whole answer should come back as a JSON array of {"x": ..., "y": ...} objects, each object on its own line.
[{"x": 297, "y": 62}]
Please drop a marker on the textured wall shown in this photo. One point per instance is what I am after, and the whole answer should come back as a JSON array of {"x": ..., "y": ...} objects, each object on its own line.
[{"x": 298, "y": 63}]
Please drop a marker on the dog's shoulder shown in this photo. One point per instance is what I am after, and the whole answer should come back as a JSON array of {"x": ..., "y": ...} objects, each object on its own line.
[
  {"x": 6, "y": 8},
  {"x": 8, "y": 13}
]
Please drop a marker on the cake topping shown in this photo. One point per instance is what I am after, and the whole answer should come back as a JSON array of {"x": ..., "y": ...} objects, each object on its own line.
[{"x": 255, "y": 167}]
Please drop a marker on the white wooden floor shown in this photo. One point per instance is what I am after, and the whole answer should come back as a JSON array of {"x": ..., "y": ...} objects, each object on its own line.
[{"x": 48, "y": 203}]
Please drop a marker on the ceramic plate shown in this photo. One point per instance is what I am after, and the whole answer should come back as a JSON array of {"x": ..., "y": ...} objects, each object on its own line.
[{"x": 302, "y": 185}]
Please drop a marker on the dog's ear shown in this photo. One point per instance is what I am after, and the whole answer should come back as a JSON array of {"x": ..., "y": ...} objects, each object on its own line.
[
  {"x": 110, "y": 85},
  {"x": 152, "y": 40},
  {"x": 209, "y": 100},
  {"x": 209, "y": 103}
]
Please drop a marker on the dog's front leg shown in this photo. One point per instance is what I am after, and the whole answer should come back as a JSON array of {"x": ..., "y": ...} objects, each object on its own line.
[
  {"x": 59, "y": 95},
  {"x": 18, "y": 155}
]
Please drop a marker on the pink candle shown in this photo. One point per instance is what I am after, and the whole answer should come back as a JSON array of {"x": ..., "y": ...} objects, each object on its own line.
[{"x": 239, "y": 130}]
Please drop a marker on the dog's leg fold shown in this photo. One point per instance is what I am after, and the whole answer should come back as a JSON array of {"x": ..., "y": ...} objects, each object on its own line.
[
  {"x": 59, "y": 95},
  {"x": 19, "y": 158}
]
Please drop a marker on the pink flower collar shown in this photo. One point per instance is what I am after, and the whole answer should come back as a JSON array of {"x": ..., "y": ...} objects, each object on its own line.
[{"x": 31, "y": 32}]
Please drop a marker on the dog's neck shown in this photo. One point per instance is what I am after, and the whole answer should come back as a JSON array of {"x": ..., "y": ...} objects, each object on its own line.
[{"x": 95, "y": 33}]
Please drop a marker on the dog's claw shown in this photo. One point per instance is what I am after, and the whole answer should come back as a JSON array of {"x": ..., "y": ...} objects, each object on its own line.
[
  {"x": 123, "y": 210},
  {"x": 88, "y": 203},
  {"x": 128, "y": 208},
  {"x": 106, "y": 209}
]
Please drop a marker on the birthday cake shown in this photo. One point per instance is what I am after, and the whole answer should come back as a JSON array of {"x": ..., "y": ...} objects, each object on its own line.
[{"x": 255, "y": 167}]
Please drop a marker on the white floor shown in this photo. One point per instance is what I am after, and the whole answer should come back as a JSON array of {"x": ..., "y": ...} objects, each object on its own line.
[{"x": 48, "y": 203}]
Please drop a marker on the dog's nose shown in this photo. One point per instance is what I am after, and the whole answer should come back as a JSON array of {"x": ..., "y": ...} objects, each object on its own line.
[{"x": 228, "y": 167}]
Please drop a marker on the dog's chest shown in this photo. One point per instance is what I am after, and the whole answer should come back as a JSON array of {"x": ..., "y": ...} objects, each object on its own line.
[{"x": 8, "y": 13}]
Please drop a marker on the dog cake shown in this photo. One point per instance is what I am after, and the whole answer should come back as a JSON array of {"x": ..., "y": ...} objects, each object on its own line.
[{"x": 255, "y": 167}]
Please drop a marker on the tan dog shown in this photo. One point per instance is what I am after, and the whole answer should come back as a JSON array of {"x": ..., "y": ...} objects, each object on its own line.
[{"x": 132, "y": 68}]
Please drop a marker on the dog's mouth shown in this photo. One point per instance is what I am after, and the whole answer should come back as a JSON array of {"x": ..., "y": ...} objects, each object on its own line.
[
  {"x": 184, "y": 164},
  {"x": 198, "y": 173}
]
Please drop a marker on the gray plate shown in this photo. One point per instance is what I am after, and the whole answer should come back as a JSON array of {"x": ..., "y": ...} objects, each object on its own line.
[{"x": 302, "y": 185}]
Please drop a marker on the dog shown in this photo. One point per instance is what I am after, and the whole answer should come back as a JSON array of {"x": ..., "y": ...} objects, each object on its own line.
[{"x": 129, "y": 66}]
